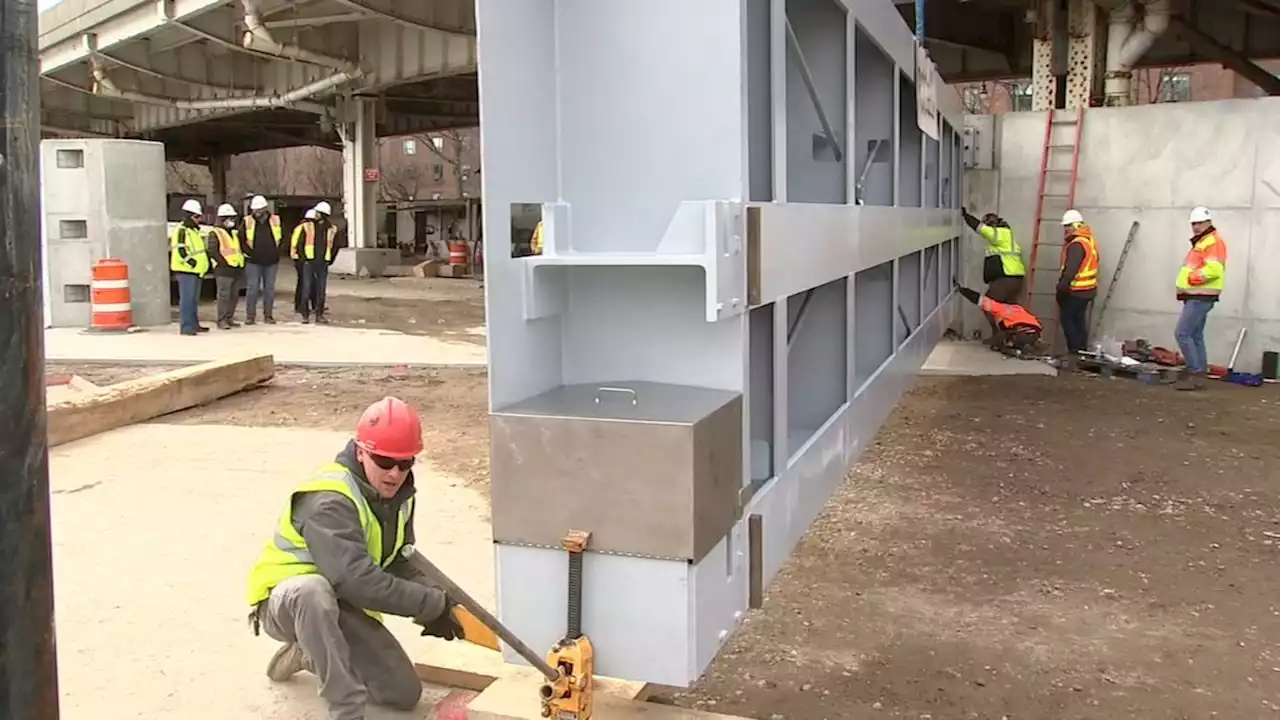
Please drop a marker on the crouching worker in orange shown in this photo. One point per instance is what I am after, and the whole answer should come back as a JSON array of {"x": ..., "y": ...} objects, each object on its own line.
[
  {"x": 333, "y": 566},
  {"x": 1018, "y": 328}
]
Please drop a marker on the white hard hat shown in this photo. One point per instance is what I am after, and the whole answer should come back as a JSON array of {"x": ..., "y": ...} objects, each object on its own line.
[
  {"x": 192, "y": 207},
  {"x": 1200, "y": 214},
  {"x": 310, "y": 214},
  {"x": 323, "y": 208},
  {"x": 258, "y": 203},
  {"x": 227, "y": 210},
  {"x": 1072, "y": 216}
]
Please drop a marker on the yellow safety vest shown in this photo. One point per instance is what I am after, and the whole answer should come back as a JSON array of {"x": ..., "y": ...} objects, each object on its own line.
[
  {"x": 306, "y": 233},
  {"x": 251, "y": 224},
  {"x": 535, "y": 243},
  {"x": 1000, "y": 242},
  {"x": 191, "y": 240},
  {"x": 229, "y": 248},
  {"x": 287, "y": 556}
]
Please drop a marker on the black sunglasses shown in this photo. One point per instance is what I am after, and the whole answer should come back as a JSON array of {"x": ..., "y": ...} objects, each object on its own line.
[{"x": 387, "y": 463}]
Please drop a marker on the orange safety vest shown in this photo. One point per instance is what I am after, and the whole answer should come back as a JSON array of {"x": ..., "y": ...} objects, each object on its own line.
[
  {"x": 1008, "y": 315},
  {"x": 1087, "y": 276},
  {"x": 309, "y": 242},
  {"x": 251, "y": 229}
]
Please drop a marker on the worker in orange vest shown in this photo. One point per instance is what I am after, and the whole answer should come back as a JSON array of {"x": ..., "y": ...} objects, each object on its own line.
[
  {"x": 1199, "y": 285},
  {"x": 1018, "y": 328},
  {"x": 1078, "y": 282}
]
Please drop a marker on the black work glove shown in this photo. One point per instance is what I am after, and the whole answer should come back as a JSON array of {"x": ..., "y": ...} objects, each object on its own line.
[
  {"x": 970, "y": 295},
  {"x": 445, "y": 627}
]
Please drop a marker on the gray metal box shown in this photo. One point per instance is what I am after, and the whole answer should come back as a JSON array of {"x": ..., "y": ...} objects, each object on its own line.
[{"x": 648, "y": 468}]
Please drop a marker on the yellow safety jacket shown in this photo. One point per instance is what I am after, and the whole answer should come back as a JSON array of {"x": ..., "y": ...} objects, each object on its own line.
[
  {"x": 287, "y": 556},
  {"x": 1204, "y": 271},
  {"x": 191, "y": 240},
  {"x": 251, "y": 225},
  {"x": 306, "y": 234},
  {"x": 1000, "y": 243},
  {"x": 535, "y": 243},
  {"x": 229, "y": 248}
]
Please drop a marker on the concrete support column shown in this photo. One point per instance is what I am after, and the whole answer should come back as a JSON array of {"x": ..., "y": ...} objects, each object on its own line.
[
  {"x": 1044, "y": 90},
  {"x": 1082, "y": 56},
  {"x": 218, "y": 167},
  {"x": 360, "y": 154}
]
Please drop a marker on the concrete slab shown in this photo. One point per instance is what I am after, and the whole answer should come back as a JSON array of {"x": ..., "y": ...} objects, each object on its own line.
[
  {"x": 155, "y": 528},
  {"x": 975, "y": 359},
  {"x": 290, "y": 344}
]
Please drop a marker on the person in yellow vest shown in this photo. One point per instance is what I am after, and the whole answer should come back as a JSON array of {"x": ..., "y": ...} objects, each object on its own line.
[
  {"x": 1078, "y": 282},
  {"x": 333, "y": 566},
  {"x": 1002, "y": 267},
  {"x": 308, "y": 218},
  {"x": 1199, "y": 285},
  {"x": 316, "y": 247},
  {"x": 535, "y": 242},
  {"x": 260, "y": 233},
  {"x": 228, "y": 265},
  {"x": 189, "y": 262}
]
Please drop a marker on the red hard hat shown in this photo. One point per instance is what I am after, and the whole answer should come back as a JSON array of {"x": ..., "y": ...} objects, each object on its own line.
[{"x": 390, "y": 428}]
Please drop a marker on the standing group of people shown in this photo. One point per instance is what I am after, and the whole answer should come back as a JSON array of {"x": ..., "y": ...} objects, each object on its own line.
[
  {"x": 245, "y": 251},
  {"x": 1198, "y": 285}
]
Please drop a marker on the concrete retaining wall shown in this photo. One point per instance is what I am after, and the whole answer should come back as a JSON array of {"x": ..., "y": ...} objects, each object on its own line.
[{"x": 1152, "y": 164}]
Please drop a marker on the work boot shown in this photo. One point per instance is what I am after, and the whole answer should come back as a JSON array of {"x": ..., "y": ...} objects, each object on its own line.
[
  {"x": 269, "y": 320},
  {"x": 1188, "y": 381},
  {"x": 306, "y": 319},
  {"x": 233, "y": 323},
  {"x": 287, "y": 662},
  {"x": 202, "y": 328},
  {"x": 224, "y": 325},
  {"x": 250, "y": 320},
  {"x": 322, "y": 319}
]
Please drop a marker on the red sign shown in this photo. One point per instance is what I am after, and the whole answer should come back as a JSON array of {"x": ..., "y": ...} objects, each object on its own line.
[{"x": 371, "y": 174}]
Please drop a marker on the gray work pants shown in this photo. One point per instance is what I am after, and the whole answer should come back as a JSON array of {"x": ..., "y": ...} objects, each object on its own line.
[
  {"x": 228, "y": 296},
  {"x": 356, "y": 658}
]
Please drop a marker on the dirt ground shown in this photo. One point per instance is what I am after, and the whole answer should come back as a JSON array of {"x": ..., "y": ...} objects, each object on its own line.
[
  {"x": 1017, "y": 547},
  {"x": 443, "y": 308}
]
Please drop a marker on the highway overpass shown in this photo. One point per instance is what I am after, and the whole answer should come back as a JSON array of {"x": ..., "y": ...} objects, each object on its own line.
[{"x": 217, "y": 77}]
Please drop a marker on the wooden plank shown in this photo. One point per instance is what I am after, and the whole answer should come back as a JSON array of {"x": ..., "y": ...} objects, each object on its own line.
[{"x": 145, "y": 398}]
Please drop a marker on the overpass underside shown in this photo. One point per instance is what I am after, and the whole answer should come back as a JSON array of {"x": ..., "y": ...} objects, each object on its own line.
[
  {"x": 214, "y": 78},
  {"x": 1076, "y": 49}
]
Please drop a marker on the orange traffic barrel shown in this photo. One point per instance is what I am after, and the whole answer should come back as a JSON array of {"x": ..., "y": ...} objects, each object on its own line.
[
  {"x": 458, "y": 253},
  {"x": 110, "y": 301}
]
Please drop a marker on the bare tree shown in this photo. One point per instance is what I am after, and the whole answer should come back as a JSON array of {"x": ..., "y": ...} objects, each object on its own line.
[
  {"x": 401, "y": 173},
  {"x": 187, "y": 179}
]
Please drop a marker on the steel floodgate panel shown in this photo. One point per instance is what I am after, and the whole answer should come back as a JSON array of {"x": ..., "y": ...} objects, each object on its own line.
[{"x": 746, "y": 252}]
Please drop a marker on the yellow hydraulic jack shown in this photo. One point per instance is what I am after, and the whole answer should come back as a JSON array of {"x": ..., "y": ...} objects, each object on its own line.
[
  {"x": 569, "y": 696},
  {"x": 569, "y": 666}
]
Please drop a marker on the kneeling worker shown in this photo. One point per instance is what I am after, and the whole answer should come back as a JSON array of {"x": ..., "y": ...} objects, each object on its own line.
[
  {"x": 1019, "y": 329},
  {"x": 334, "y": 565}
]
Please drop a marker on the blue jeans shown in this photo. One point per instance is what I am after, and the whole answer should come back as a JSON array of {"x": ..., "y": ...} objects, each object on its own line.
[
  {"x": 1190, "y": 334},
  {"x": 260, "y": 279},
  {"x": 188, "y": 302}
]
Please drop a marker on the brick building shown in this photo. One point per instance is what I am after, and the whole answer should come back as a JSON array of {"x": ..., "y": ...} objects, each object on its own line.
[{"x": 1177, "y": 84}]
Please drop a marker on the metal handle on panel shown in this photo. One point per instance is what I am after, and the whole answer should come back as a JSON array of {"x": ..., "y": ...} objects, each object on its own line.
[{"x": 635, "y": 397}]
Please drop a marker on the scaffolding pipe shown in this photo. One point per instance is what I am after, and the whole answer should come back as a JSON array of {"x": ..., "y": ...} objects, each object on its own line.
[
  {"x": 1127, "y": 42},
  {"x": 28, "y": 649},
  {"x": 291, "y": 99},
  {"x": 258, "y": 37}
]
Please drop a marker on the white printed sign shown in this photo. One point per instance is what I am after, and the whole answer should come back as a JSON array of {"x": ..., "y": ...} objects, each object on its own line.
[{"x": 926, "y": 93}]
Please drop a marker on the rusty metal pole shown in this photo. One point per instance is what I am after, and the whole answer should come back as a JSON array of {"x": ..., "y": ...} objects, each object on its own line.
[{"x": 28, "y": 657}]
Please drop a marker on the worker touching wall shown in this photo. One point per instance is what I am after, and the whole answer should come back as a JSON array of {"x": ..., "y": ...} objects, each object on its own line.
[{"x": 1003, "y": 268}]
